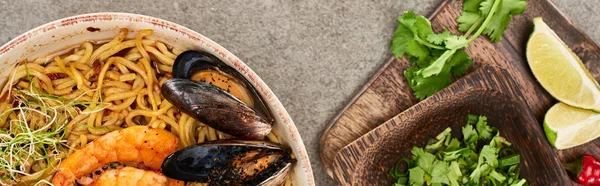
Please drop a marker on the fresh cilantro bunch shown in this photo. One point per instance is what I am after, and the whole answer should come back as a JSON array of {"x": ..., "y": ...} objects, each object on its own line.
[
  {"x": 438, "y": 57},
  {"x": 482, "y": 157}
]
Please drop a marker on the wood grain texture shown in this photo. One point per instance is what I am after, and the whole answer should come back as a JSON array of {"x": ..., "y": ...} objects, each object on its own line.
[
  {"x": 387, "y": 93},
  {"x": 489, "y": 91}
]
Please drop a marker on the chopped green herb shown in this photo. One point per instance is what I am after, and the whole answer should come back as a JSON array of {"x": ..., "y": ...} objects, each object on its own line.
[{"x": 481, "y": 158}]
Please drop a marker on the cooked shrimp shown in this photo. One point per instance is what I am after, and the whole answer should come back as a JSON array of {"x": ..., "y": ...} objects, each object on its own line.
[
  {"x": 133, "y": 176},
  {"x": 139, "y": 144}
]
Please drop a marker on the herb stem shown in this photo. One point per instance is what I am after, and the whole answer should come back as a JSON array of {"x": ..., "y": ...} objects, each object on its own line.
[
  {"x": 486, "y": 22},
  {"x": 475, "y": 25}
]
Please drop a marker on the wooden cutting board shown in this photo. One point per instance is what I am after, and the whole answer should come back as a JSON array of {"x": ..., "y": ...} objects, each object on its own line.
[{"x": 387, "y": 93}]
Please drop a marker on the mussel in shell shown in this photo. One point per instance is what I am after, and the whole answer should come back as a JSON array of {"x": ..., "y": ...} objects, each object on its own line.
[
  {"x": 204, "y": 67},
  {"x": 217, "y": 95},
  {"x": 230, "y": 162},
  {"x": 216, "y": 108}
]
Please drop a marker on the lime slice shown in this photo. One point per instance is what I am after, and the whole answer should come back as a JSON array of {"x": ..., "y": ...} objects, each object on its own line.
[
  {"x": 559, "y": 70},
  {"x": 568, "y": 126}
]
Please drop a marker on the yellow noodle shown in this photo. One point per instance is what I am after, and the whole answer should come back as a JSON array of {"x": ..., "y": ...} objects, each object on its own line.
[
  {"x": 88, "y": 52},
  {"x": 133, "y": 50},
  {"x": 146, "y": 113},
  {"x": 122, "y": 68},
  {"x": 141, "y": 102},
  {"x": 117, "y": 84},
  {"x": 127, "y": 77},
  {"x": 126, "y": 104},
  {"x": 212, "y": 135},
  {"x": 83, "y": 140},
  {"x": 62, "y": 67},
  {"x": 202, "y": 134},
  {"x": 119, "y": 47},
  {"x": 182, "y": 120},
  {"x": 113, "y": 90},
  {"x": 133, "y": 56},
  {"x": 80, "y": 80},
  {"x": 71, "y": 58},
  {"x": 187, "y": 131},
  {"x": 60, "y": 81},
  {"x": 81, "y": 66},
  {"x": 113, "y": 76},
  {"x": 131, "y": 66},
  {"x": 150, "y": 85},
  {"x": 162, "y": 58},
  {"x": 98, "y": 120},
  {"x": 176, "y": 51},
  {"x": 171, "y": 122},
  {"x": 40, "y": 77},
  {"x": 150, "y": 42},
  {"x": 107, "y": 46},
  {"x": 53, "y": 69},
  {"x": 165, "y": 68},
  {"x": 138, "y": 43},
  {"x": 64, "y": 91},
  {"x": 162, "y": 48},
  {"x": 162, "y": 125},
  {"x": 119, "y": 96},
  {"x": 69, "y": 83},
  {"x": 23, "y": 84}
]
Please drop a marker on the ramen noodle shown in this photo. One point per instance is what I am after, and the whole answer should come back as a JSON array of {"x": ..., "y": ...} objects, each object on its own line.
[{"x": 50, "y": 108}]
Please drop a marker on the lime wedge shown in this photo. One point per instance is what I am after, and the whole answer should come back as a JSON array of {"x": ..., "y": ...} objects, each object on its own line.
[
  {"x": 568, "y": 126},
  {"x": 559, "y": 70}
]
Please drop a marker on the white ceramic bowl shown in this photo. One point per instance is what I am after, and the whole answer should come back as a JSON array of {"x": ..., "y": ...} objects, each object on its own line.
[{"x": 70, "y": 32}]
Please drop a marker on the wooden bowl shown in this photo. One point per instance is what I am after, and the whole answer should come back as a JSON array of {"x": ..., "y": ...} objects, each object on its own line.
[{"x": 489, "y": 91}]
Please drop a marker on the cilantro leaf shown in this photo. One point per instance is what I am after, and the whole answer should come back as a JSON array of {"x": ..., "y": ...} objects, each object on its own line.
[
  {"x": 454, "y": 173},
  {"x": 478, "y": 172},
  {"x": 452, "y": 155},
  {"x": 424, "y": 159},
  {"x": 448, "y": 164},
  {"x": 436, "y": 67},
  {"x": 467, "y": 20},
  {"x": 438, "y": 39},
  {"x": 453, "y": 145},
  {"x": 416, "y": 49},
  {"x": 423, "y": 27},
  {"x": 498, "y": 176},
  {"x": 485, "y": 131},
  {"x": 439, "y": 173},
  {"x": 489, "y": 155},
  {"x": 471, "y": 5},
  {"x": 425, "y": 87},
  {"x": 416, "y": 176},
  {"x": 501, "y": 19},
  {"x": 460, "y": 62},
  {"x": 439, "y": 55},
  {"x": 486, "y": 6},
  {"x": 456, "y": 42},
  {"x": 469, "y": 134},
  {"x": 402, "y": 36}
]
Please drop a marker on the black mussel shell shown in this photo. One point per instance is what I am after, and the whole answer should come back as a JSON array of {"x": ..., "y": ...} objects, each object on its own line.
[
  {"x": 190, "y": 62},
  {"x": 230, "y": 162},
  {"x": 215, "y": 108}
]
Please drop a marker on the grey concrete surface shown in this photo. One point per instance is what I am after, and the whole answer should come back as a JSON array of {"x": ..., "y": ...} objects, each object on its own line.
[{"x": 315, "y": 55}]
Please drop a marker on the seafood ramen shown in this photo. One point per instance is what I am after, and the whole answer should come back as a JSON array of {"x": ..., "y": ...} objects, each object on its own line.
[{"x": 136, "y": 112}]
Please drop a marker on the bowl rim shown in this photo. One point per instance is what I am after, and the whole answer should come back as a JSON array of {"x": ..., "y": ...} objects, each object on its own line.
[{"x": 278, "y": 109}]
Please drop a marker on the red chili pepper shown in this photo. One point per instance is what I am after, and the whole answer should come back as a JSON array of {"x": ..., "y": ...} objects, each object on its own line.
[{"x": 587, "y": 169}]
